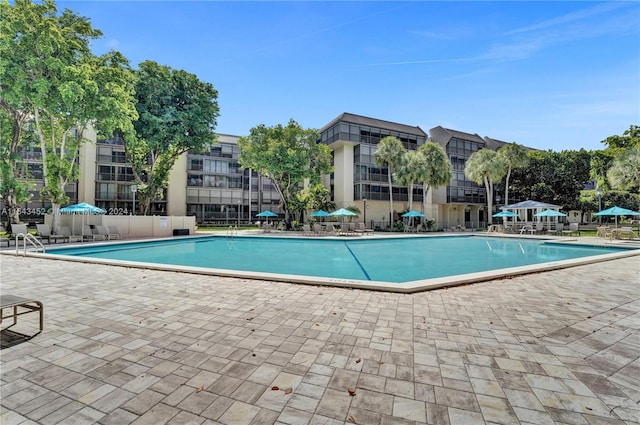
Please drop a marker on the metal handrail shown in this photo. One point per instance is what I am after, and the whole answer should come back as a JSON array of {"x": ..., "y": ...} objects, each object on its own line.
[{"x": 28, "y": 237}]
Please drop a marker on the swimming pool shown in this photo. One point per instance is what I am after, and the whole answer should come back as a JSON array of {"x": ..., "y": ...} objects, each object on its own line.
[{"x": 399, "y": 264}]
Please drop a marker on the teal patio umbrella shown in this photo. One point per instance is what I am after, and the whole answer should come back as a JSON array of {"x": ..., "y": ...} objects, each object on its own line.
[
  {"x": 616, "y": 211},
  {"x": 413, "y": 214},
  {"x": 320, "y": 213},
  {"x": 82, "y": 208},
  {"x": 550, "y": 213},
  {"x": 267, "y": 214},
  {"x": 505, "y": 213},
  {"x": 343, "y": 212}
]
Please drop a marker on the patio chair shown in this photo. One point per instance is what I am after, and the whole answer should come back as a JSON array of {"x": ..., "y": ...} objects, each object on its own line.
[
  {"x": 16, "y": 229},
  {"x": 114, "y": 232},
  {"x": 603, "y": 232},
  {"x": 64, "y": 230},
  {"x": 362, "y": 229},
  {"x": 306, "y": 228},
  {"x": 88, "y": 234},
  {"x": 623, "y": 232},
  {"x": 317, "y": 229},
  {"x": 104, "y": 231},
  {"x": 574, "y": 228},
  {"x": 18, "y": 306},
  {"x": 45, "y": 234},
  {"x": 558, "y": 229}
]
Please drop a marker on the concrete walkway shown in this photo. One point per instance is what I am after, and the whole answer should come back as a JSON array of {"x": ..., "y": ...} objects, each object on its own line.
[{"x": 125, "y": 346}]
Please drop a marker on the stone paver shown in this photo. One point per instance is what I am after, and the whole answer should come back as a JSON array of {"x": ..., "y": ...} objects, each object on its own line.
[{"x": 131, "y": 346}]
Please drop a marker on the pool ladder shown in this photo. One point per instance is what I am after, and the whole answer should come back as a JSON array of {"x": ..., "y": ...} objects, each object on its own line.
[
  {"x": 232, "y": 232},
  {"x": 28, "y": 237}
]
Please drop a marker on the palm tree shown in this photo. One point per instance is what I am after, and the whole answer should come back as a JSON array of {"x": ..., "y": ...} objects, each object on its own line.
[
  {"x": 625, "y": 170},
  {"x": 486, "y": 167},
  {"x": 389, "y": 154},
  {"x": 409, "y": 172},
  {"x": 437, "y": 168},
  {"x": 514, "y": 156}
]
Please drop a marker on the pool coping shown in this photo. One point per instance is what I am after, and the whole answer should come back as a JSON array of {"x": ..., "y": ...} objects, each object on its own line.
[{"x": 404, "y": 287}]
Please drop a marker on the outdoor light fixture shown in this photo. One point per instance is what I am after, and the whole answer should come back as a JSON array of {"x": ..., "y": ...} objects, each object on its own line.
[
  {"x": 134, "y": 189},
  {"x": 365, "y": 210},
  {"x": 599, "y": 191}
]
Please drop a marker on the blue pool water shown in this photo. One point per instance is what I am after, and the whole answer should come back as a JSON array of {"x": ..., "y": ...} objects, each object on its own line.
[{"x": 388, "y": 260}]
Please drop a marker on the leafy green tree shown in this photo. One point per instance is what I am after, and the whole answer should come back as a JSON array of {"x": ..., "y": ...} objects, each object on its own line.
[
  {"x": 54, "y": 80},
  {"x": 630, "y": 138},
  {"x": 437, "y": 168},
  {"x": 599, "y": 166},
  {"x": 178, "y": 113},
  {"x": 320, "y": 198},
  {"x": 14, "y": 188},
  {"x": 287, "y": 155},
  {"x": 486, "y": 167},
  {"x": 514, "y": 156},
  {"x": 389, "y": 154},
  {"x": 624, "y": 173},
  {"x": 558, "y": 177}
]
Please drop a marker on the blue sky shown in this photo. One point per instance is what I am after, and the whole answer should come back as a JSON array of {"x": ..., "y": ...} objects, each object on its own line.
[{"x": 549, "y": 75}]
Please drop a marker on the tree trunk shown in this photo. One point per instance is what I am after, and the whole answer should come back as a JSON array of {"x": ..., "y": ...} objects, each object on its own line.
[
  {"x": 506, "y": 188},
  {"x": 13, "y": 210},
  {"x": 489, "y": 186},
  {"x": 390, "y": 202},
  {"x": 55, "y": 218}
]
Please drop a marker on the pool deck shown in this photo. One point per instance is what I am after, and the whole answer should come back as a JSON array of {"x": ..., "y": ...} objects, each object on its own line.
[{"x": 134, "y": 346}]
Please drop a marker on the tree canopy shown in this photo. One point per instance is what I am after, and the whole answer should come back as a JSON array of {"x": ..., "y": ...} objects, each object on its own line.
[
  {"x": 178, "y": 113},
  {"x": 287, "y": 155},
  {"x": 51, "y": 78},
  {"x": 514, "y": 156},
  {"x": 437, "y": 168},
  {"x": 486, "y": 167}
]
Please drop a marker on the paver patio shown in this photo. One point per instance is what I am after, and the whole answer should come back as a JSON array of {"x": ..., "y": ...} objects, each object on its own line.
[{"x": 132, "y": 346}]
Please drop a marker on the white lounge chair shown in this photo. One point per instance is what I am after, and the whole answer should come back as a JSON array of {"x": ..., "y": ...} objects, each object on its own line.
[
  {"x": 45, "y": 234},
  {"x": 114, "y": 232},
  {"x": 88, "y": 234},
  {"x": 64, "y": 230}
]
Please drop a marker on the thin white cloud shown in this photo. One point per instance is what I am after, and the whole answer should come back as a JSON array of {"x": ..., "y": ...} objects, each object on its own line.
[
  {"x": 570, "y": 17},
  {"x": 421, "y": 62},
  {"x": 113, "y": 43}
]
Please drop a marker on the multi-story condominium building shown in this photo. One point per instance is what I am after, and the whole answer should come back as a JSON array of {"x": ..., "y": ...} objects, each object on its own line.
[
  {"x": 212, "y": 187},
  {"x": 356, "y": 179}
]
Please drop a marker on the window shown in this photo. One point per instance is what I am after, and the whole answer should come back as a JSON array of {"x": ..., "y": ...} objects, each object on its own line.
[
  {"x": 106, "y": 191},
  {"x": 106, "y": 172},
  {"x": 196, "y": 164},
  {"x": 119, "y": 157}
]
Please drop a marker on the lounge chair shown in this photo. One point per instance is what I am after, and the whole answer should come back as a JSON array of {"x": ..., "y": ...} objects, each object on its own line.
[
  {"x": 574, "y": 228},
  {"x": 558, "y": 229},
  {"x": 17, "y": 229},
  {"x": 114, "y": 232},
  {"x": 106, "y": 232},
  {"x": 362, "y": 229},
  {"x": 45, "y": 234},
  {"x": 603, "y": 232},
  {"x": 317, "y": 229},
  {"x": 622, "y": 232},
  {"x": 64, "y": 230},
  {"x": 88, "y": 234},
  {"x": 18, "y": 306},
  {"x": 306, "y": 228}
]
